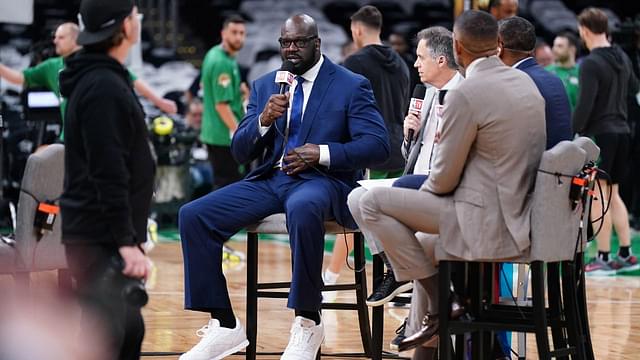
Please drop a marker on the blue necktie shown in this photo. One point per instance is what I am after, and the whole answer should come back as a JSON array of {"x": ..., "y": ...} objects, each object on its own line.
[{"x": 296, "y": 116}]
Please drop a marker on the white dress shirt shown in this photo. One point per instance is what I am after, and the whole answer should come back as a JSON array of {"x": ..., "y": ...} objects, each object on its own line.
[
  {"x": 309, "y": 79},
  {"x": 432, "y": 129}
]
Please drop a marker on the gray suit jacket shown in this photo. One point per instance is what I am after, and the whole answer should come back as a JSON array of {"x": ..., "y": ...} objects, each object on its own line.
[
  {"x": 492, "y": 139},
  {"x": 414, "y": 151}
]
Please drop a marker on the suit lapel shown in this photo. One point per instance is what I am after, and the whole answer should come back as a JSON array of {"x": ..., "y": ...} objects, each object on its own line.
[{"x": 316, "y": 98}]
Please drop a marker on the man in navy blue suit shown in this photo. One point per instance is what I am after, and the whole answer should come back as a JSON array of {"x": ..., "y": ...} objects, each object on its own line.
[
  {"x": 312, "y": 143},
  {"x": 517, "y": 41}
]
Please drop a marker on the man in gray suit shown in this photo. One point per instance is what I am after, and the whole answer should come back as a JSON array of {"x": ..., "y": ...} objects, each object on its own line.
[
  {"x": 476, "y": 195},
  {"x": 437, "y": 67}
]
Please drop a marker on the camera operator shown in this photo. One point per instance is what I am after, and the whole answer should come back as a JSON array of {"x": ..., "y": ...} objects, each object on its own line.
[{"x": 109, "y": 175}]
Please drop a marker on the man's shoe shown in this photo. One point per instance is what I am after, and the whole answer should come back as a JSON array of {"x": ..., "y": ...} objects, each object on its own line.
[
  {"x": 597, "y": 266},
  {"x": 429, "y": 330},
  {"x": 400, "y": 335},
  {"x": 305, "y": 340},
  {"x": 630, "y": 263},
  {"x": 387, "y": 290},
  {"x": 217, "y": 342}
]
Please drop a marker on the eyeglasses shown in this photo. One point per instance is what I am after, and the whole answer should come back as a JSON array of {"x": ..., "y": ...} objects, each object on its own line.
[{"x": 299, "y": 43}]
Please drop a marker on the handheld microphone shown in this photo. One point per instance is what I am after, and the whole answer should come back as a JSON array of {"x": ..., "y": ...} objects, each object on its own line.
[
  {"x": 284, "y": 77},
  {"x": 416, "y": 106}
]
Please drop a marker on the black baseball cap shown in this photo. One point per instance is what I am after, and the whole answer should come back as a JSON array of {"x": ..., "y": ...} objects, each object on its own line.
[{"x": 100, "y": 19}]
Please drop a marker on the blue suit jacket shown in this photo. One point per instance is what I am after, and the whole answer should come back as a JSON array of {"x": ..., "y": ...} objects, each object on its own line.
[
  {"x": 557, "y": 110},
  {"x": 341, "y": 112}
]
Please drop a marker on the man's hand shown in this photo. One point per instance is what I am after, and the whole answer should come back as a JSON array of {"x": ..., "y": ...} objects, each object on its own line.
[
  {"x": 167, "y": 106},
  {"x": 301, "y": 158},
  {"x": 136, "y": 264},
  {"x": 275, "y": 107},
  {"x": 411, "y": 122}
]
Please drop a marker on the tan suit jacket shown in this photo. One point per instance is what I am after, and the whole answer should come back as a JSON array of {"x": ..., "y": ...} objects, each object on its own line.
[{"x": 492, "y": 139}]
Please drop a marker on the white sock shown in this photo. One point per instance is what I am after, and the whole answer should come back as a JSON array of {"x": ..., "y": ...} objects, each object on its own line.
[{"x": 329, "y": 277}]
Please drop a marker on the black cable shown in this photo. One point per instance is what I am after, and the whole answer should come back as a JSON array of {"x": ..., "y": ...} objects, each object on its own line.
[
  {"x": 30, "y": 194},
  {"x": 515, "y": 300}
]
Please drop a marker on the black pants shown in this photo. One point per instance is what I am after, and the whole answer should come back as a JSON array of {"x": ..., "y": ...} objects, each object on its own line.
[
  {"x": 123, "y": 323},
  {"x": 225, "y": 167}
]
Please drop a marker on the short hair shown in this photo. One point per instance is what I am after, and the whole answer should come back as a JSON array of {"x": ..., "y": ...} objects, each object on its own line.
[
  {"x": 571, "y": 38},
  {"x": 494, "y": 4},
  {"x": 233, "y": 19},
  {"x": 478, "y": 30},
  {"x": 517, "y": 34},
  {"x": 102, "y": 47},
  {"x": 540, "y": 43},
  {"x": 368, "y": 15},
  {"x": 439, "y": 42},
  {"x": 594, "y": 19}
]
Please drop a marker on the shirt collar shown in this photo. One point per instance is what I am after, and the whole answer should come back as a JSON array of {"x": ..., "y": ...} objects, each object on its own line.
[
  {"x": 312, "y": 74},
  {"x": 453, "y": 82},
  {"x": 515, "y": 66}
]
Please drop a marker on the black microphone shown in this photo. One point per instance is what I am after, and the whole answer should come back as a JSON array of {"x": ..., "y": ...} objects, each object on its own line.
[
  {"x": 416, "y": 106},
  {"x": 284, "y": 77}
]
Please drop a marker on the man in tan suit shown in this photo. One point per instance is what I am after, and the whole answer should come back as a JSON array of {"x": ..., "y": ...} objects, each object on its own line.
[{"x": 476, "y": 196}]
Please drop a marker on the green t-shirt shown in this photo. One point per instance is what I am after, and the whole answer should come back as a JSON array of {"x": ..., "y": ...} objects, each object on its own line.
[
  {"x": 569, "y": 77},
  {"x": 220, "y": 84},
  {"x": 46, "y": 74}
]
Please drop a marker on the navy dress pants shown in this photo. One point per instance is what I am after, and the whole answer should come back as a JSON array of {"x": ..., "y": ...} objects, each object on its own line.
[{"x": 206, "y": 223}]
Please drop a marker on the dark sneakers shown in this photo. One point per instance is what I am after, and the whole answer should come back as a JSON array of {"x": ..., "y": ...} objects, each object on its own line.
[
  {"x": 400, "y": 335},
  {"x": 387, "y": 290}
]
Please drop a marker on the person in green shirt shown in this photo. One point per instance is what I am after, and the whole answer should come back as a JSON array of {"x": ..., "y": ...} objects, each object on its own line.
[
  {"x": 223, "y": 101},
  {"x": 565, "y": 47},
  {"x": 46, "y": 73}
]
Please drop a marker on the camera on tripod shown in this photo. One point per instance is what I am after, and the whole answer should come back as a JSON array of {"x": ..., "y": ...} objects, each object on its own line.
[{"x": 113, "y": 282}]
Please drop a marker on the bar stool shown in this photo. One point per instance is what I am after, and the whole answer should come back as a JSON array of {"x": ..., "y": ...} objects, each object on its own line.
[
  {"x": 276, "y": 224},
  {"x": 556, "y": 248}
]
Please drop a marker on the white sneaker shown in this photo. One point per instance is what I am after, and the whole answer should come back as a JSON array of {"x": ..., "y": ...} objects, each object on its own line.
[
  {"x": 305, "y": 340},
  {"x": 217, "y": 342}
]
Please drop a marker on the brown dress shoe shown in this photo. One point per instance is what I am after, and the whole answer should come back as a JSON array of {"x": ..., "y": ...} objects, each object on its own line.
[
  {"x": 430, "y": 325},
  {"x": 425, "y": 353}
]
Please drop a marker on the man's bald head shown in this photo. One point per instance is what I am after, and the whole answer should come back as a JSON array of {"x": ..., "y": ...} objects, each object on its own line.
[
  {"x": 475, "y": 35},
  {"x": 65, "y": 38},
  {"x": 299, "y": 42},
  {"x": 301, "y": 24}
]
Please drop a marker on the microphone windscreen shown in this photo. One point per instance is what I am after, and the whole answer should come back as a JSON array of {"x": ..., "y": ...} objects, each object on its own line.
[
  {"x": 287, "y": 65},
  {"x": 418, "y": 92}
]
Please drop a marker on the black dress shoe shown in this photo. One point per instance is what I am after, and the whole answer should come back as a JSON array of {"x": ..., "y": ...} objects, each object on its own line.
[{"x": 430, "y": 325}]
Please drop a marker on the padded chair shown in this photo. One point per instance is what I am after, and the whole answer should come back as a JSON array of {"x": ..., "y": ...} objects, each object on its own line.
[
  {"x": 276, "y": 224},
  {"x": 7, "y": 258},
  {"x": 35, "y": 251},
  {"x": 556, "y": 245}
]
